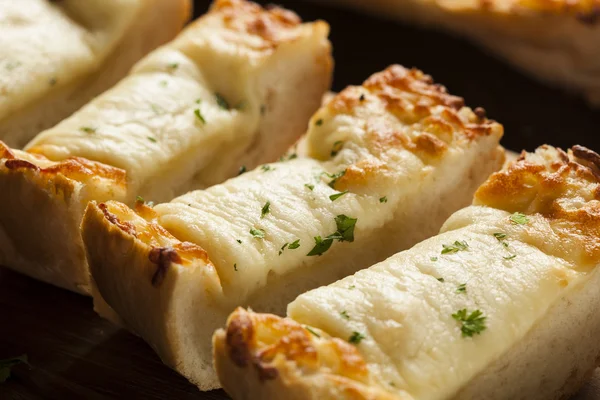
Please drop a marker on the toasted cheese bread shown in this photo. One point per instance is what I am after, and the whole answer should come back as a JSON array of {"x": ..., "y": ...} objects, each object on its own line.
[
  {"x": 554, "y": 41},
  {"x": 56, "y": 56},
  {"x": 502, "y": 304},
  {"x": 236, "y": 88},
  {"x": 386, "y": 163}
]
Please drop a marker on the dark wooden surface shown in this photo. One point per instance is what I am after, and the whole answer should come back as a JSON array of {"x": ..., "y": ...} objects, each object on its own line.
[{"x": 74, "y": 354}]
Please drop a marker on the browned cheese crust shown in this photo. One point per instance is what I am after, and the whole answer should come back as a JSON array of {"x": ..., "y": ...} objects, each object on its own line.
[{"x": 272, "y": 357}]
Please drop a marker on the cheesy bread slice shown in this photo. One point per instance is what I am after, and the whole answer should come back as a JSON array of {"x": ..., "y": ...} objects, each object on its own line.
[
  {"x": 387, "y": 162},
  {"x": 502, "y": 304},
  {"x": 235, "y": 89},
  {"x": 57, "y": 55},
  {"x": 554, "y": 41}
]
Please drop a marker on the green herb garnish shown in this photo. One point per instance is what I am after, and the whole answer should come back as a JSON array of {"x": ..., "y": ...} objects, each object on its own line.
[
  {"x": 454, "y": 247},
  {"x": 308, "y": 328},
  {"x": 335, "y": 177},
  {"x": 266, "y": 168},
  {"x": 150, "y": 138},
  {"x": 235, "y": 267},
  {"x": 294, "y": 245},
  {"x": 433, "y": 258},
  {"x": 309, "y": 186},
  {"x": 462, "y": 288},
  {"x": 356, "y": 337},
  {"x": 239, "y": 241},
  {"x": 471, "y": 324},
  {"x": 337, "y": 146},
  {"x": 519, "y": 219},
  {"x": 319, "y": 122},
  {"x": 266, "y": 209},
  {"x": 336, "y": 196},
  {"x": 199, "y": 115},
  {"x": 345, "y": 315},
  {"x": 321, "y": 246},
  {"x": 87, "y": 129},
  {"x": 510, "y": 257},
  {"x": 257, "y": 233},
  {"x": 383, "y": 199},
  {"x": 441, "y": 280},
  {"x": 173, "y": 66}
]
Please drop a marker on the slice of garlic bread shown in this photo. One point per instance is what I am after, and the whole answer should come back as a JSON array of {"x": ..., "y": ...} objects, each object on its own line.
[
  {"x": 57, "y": 55},
  {"x": 555, "y": 41},
  {"x": 236, "y": 88},
  {"x": 501, "y": 305},
  {"x": 387, "y": 163}
]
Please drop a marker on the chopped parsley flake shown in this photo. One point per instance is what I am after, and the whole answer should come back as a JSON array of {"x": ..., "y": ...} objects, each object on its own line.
[
  {"x": 12, "y": 65},
  {"x": 173, "y": 66},
  {"x": 472, "y": 324},
  {"x": 441, "y": 280},
  {"x": 150, "y": 138},
  {"x": 288, "y": 157},
  {"x": 221, "y": 102},
  {"x": 337, "y": 146},
  {"x": 356, "y": 337},
  {"x": 499, "y": 235},
  {"x": 87, "y": 129},
  {"x": 257, "y": 233},
  {"x": 239, "y": 241},
  {"x": 454, "y": 247},
  {"x": 319, "y": 122},
  {"x": 235, "y": 267},
  {"x": 519, "y": 219},
  {"x": 433, "y": 258},
  {"x": 308, "y": 328},
  {"x": 266, "y": 209},
  {"x": 266, "y": 168},
  {"x": 7, "y": 364},
  {"x": 510, "y": 257},
  {"x": 140, "y": 199},
  {"x": 345, "y": 233},
  {"x": 462, "y": 288},
  {"x": 383, "y": 199},
  {"x": 345, "y": 228},
  {"x": 321, "y": 246},
  {"x": 308, "y": 185},
  {"x": 336, "y": 196},
  {"x": 335, "y": 177},
  {"x": 294, "y": 245},
  {"x": 351, "y": 287},
  {"x": 345, "y": 315},
  {"x": 199, "y": 115},
  {"x": 156, "y": 108}
]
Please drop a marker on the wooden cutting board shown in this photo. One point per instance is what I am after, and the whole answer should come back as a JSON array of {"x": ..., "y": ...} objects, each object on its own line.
[{"x": 75, "y": 354}]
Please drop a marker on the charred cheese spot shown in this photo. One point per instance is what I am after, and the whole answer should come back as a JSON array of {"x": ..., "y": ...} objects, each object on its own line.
[
  {"x": 165, "y": 248},
  {"x": 562, "y": 188},
  {"x": 266, "y": 341},
  {"x": 273, "y": 25}
]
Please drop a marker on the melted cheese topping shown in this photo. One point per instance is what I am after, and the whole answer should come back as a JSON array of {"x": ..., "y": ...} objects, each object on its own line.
[
  {"x": 511, "y": 272},
  {"x": 381, "y": 181},
  {"x": 45, "y": 45},
  {"x": 168, "y": 120},
  {"x": 412, "y": 342}
]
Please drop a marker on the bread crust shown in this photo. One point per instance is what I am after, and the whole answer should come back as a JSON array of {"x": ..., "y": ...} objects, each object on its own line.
[
  {"x": 551, "y": 360},
  {"x": 65, "y": 95},
  {"x": 267, "y": 41},
  {"x": 517, "y": 31}
]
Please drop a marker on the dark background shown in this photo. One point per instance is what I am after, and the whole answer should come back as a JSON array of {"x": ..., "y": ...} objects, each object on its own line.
[
  {"x": 74, "y": 354},
  {"x": 532, "y": 113}
]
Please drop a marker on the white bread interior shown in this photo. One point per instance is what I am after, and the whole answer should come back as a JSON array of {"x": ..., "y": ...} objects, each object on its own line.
[{"x": 59, "y": 55}]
